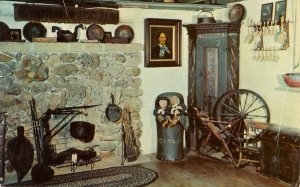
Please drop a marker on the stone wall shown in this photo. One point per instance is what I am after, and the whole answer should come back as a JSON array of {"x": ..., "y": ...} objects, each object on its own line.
[{"x": 71, "y": 74}]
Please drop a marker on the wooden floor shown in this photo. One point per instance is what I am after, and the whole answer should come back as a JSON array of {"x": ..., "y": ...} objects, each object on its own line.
[
  {"x": 196, "y": 171},
  {"x": 192, "y": 171}
]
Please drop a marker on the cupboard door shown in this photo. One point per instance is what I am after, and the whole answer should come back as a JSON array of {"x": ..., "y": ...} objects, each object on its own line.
[{"x": 211, "y": 70}]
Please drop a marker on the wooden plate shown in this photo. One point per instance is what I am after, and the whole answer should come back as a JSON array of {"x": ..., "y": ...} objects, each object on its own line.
[
  {"x": 236, "y": 13},
  {"x": 124, "y": 31},
  {"x": 95, "y": 32},
  {"x": 4, "y": 31},
  {"x": 34, "y": 30}
]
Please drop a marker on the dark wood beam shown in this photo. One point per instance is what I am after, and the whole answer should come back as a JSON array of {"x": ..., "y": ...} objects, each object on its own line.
[{"x": 65, "y": 14}]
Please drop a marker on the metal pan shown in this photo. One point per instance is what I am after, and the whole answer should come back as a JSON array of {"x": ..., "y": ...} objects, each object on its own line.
[{"x": 113, "y": 111}]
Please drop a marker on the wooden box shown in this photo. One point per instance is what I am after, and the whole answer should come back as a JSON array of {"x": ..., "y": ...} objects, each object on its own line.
[{"x": 280, "y": 153}]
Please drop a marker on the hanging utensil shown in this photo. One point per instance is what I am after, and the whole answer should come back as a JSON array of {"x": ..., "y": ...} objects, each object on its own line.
[
  {"x": 248, "y": 30},
  {"x": 272, "y": 29},
  {"x": 251, "y": 36},
  {"x": 113, "y": 111},
  {"x": 282, "y": 36}
]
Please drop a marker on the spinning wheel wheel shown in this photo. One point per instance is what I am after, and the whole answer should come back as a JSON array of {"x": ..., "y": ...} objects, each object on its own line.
[
  {"x": 235, "y": 107},
  {"x": 242, "y": 104}
]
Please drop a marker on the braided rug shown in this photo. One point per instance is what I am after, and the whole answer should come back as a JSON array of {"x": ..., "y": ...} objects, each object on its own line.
[{"x": 127, "y": 176}]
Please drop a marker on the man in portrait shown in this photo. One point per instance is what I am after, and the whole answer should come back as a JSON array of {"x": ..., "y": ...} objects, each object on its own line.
[{"x": 161, "y": 50}]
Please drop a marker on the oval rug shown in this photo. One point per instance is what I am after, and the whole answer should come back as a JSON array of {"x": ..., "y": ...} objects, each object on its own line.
[{"x": 131, "y": 176}]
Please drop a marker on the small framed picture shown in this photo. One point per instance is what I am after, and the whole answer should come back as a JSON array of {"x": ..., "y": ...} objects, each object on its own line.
[
  {"x": 107, "y": 35},
  {"x": 266, "y": 12},
  {"x": 162, "y": 42},
  {"x": 15, "y": 35},
  {"x": 280, "y": 10}
]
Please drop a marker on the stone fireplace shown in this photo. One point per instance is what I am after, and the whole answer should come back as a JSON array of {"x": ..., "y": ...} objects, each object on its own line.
[{"x": 59, "y": 75}]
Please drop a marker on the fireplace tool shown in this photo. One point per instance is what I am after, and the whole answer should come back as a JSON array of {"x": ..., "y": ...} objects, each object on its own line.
[
  {"x": 43, "y": 135},
  {"x": 84, "y": 131},
  {"x": 40, "y": 172}
]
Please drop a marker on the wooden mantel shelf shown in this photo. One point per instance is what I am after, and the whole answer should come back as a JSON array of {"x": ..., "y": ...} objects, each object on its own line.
[{"x": 41, "y": 47}]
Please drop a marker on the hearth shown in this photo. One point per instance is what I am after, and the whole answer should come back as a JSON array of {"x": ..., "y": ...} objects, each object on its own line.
[{"x": 64, "y": 75}]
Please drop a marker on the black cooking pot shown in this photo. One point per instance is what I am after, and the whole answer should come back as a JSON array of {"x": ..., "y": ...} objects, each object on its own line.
[
  {"x": 113, "y": 111},
  {"x": 82, "y": 130}
]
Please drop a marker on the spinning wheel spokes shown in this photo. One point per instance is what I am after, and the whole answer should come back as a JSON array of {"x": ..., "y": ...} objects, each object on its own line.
[
  {"x": 243, "y": 103},
  {"x": 235, "y": 107}
]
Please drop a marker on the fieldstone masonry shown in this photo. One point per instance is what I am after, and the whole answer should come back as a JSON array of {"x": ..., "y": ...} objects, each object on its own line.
[{"x": 75, "y": 77}]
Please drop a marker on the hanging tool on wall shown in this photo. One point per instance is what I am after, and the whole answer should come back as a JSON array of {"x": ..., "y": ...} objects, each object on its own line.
[{"x": 40, "y": 172}]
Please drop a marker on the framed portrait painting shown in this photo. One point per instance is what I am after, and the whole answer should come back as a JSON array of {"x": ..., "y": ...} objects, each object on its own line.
[
  {"x": 280, "y": 10},
  {"x": 266, "y": 12},
  {"x": 162, "y": 42}
]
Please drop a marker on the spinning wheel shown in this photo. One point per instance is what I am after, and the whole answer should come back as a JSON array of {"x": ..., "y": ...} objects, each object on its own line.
[{"x": 235, "y": 107}]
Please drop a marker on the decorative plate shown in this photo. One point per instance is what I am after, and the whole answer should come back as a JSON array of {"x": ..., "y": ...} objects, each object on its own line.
[
  {"x": 236, "y": 13},
  {"x": 124, "y": 31},
  {"x": 95, "y": 32},
  {"x": 34, "y": 30},
  {"x": 4, "y": 31}
]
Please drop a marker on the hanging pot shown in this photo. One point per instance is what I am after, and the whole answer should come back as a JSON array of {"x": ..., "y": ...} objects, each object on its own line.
[
  {"x": 206, "y": 19},
  {"x": 82, "y": 130},
  {"x": 20, "y": 153},
  {"x": 113, "y": 111}
]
